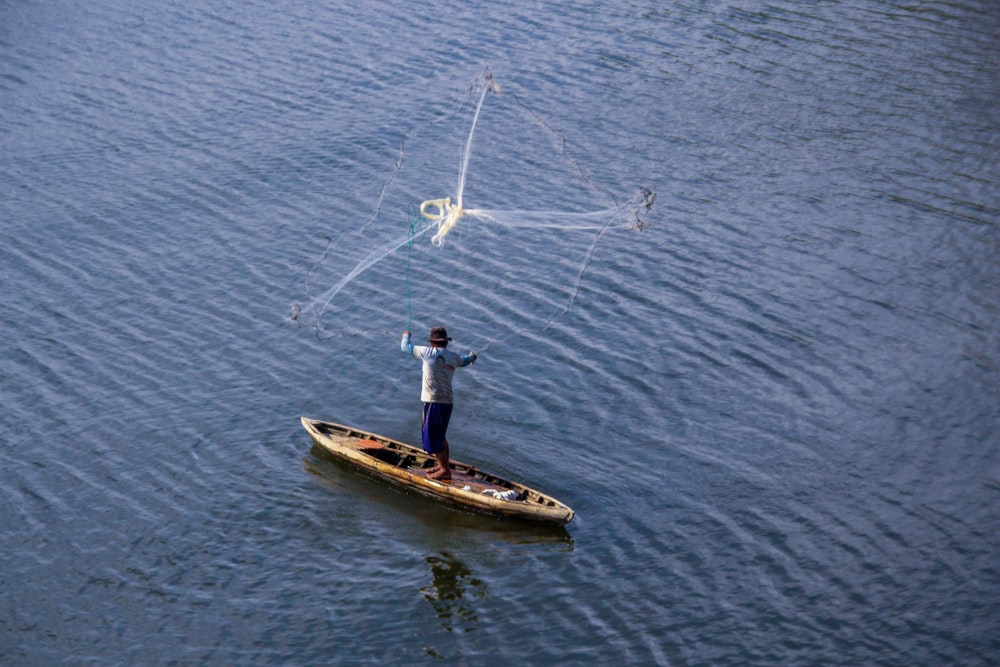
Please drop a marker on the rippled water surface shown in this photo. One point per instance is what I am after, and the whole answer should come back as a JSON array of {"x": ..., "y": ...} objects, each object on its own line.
[{"x": 773, "y": 400}]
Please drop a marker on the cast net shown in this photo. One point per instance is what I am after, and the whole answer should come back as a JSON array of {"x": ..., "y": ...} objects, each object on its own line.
[{"x": 440, "y": 216}]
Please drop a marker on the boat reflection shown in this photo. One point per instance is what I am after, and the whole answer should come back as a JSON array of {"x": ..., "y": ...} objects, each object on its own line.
[{"x": 331, "y": 473}]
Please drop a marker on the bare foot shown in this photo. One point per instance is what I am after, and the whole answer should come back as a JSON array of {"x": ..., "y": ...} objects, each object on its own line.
[{"x": 442, "y": 475}]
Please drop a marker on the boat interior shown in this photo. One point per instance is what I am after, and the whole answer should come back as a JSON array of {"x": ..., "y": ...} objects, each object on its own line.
[
  {"x": 409, "y": 457},
  {"x": 395, "y": 457}
]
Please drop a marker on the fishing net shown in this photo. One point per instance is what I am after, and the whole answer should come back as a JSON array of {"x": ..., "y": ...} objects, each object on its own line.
[{"x": 438, "y": 217}]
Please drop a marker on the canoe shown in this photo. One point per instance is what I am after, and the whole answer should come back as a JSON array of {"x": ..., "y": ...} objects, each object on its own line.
[{"x": 406, "y": 466}]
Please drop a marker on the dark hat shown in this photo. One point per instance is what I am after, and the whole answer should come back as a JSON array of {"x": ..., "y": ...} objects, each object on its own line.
[{"x": 439, "y": 335}]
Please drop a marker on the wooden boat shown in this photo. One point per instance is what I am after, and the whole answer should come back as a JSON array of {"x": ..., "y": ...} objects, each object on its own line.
[{"x": 406, "y": 466}]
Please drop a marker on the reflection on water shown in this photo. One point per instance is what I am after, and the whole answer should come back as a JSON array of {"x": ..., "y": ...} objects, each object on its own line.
[
  {"x": 451, "y": 592},
  {"x": 341, "y": 476}
]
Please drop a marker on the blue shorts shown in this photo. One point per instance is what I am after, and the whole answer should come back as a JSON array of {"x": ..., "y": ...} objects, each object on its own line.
[{"x": 435, "y": 426}]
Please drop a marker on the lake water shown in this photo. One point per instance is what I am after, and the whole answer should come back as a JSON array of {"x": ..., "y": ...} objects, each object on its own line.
[{"x": 774, "y": 404}]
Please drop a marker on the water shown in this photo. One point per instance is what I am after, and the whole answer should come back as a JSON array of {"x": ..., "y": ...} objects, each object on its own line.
[{"x": 775, "y": 410}]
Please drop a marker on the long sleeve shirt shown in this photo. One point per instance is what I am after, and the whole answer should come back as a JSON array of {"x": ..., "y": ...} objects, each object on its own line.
[{"x": 439, "y": 364}]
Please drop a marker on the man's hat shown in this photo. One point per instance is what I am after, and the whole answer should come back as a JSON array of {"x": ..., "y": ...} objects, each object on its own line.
[{"x": 439, "y": 335}]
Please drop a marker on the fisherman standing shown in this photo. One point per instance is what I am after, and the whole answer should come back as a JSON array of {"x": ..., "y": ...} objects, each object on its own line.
[{"x": 439, "y": 364}]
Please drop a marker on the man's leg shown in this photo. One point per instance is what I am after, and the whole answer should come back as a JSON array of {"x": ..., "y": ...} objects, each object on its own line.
[
  {"x": 435, "y": 426},
  {"x": 443, "y": 469}
]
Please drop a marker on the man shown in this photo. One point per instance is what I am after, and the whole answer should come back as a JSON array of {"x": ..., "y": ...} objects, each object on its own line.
[{"x": 439, "y": 367}]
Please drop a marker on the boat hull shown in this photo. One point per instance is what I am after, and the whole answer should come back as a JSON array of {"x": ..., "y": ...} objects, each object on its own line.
[{"x": 406, "y": 466}]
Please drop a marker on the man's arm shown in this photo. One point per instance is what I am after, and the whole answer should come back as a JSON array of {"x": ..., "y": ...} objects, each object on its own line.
[{"x": 405, "y": 345}]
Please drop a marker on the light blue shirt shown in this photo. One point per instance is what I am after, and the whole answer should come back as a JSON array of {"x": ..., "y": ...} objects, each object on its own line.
[{"x": 439, "y": 367}]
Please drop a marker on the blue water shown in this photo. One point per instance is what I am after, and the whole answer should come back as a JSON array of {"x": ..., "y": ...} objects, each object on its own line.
[{"x": 774, "y": 404}]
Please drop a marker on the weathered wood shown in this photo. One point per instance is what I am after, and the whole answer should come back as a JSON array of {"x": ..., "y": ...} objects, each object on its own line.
[{"x": 406, "y": 466}]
